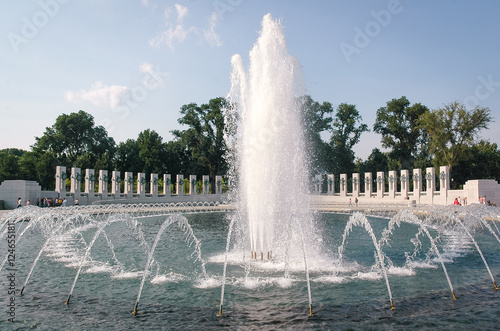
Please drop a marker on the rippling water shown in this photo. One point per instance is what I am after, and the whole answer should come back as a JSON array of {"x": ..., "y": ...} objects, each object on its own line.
[{"x": 177, "y": 295}]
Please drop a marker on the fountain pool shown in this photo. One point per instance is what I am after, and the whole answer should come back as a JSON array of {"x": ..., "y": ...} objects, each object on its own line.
[
  {"x": 182, "y": 284},
  {"x": 268, "y": 262}
]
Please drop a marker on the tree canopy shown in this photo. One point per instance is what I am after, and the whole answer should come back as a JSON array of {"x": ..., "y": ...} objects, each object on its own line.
[
  {"x": 413, "y": 134},
  {"x": 398, "y": 123},
  {"x": 317, "y": 119},
  {"x": 452, "y": 130},
  {"x": 75, "y": 137},
  {"x": 204, "y": 137},
  {"x": 346, "y": 131}
]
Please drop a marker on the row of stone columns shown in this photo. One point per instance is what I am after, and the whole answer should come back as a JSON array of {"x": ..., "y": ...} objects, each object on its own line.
[
  {"x": 103, "y": 180},
  {"x": 377, "y": 185}
]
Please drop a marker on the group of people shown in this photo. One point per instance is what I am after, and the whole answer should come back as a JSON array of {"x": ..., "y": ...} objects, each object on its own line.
[
  {"x": 483, "y": 201},
  {"x": 47, "y": 202},
  {"x": 460, "y": 202}
]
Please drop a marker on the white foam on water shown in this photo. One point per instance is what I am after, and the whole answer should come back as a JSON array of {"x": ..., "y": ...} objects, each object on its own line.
[
  {"x": 100, "y": 269},
  {"x": 332, "y": 279},
  {"x": 401, "y": 271},
  {"x": 209, "y": 282},
  {"x": 368, "y": 275},
  {"x": 284, "y": 282},
  {"x": 422, "y": 265},
  {"x": 77, "y": 263},
  {"x": 168, "y": 278},
  {"x": 128, "y": 275}
]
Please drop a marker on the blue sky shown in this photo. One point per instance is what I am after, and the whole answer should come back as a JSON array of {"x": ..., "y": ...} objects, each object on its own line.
[{"x": 133, "y": 64}]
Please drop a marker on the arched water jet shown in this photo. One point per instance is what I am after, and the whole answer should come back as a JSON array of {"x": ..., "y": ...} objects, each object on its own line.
[
  {"x": 18, "y": 238},
  {"x": 47, "y": 241},
  {"x": 87, "y": 252},
  {"x": 228, "y": 242},
  {"x": 181, "y": 220},
  {"x": 358, "y": 219},
  {"x": 409, "y": 217},
  {"x": 456, "y": 219},
  {"x": 305, "y": 265}
]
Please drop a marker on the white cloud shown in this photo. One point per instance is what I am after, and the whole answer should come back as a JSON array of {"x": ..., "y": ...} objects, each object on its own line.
[
  {"x": 146, "y": 68},
  {"x": 181, "y": 12},
  {"x": 110, "y": 96},
  {"x": 210, "y": 35},
  {"x": 177, "y": 31}
]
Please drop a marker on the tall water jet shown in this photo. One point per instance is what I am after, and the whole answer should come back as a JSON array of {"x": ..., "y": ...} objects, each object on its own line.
[{"x": 271, "y": 165}]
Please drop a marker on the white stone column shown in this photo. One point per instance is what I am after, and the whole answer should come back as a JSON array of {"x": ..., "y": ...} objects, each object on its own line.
[
  {"x": 218, "y": 184},
  {"x": 76, "y": 181},
  {"x": 343, "y": 185},
  {"x": 115, "y": 183},
  {"x": 153, "y": 185},
  {"x": 180, "y": 185},
  {"x": 368, "y": 184},
  {"x": 317, "y": 184},
  {"x": 192, "y": 184},
  {"x": 380, "y": 184},
  {"x": 430, "y": 177},
  {"x": 103, "y": 182},
  {"x": 330, "y": 180},
  {"x": 417, "y": 184},
  {"x": 61, "y": 180},
  {"x": 206, "y": 184},
  {"x": 356, "y": 183},
  {"x": 444, "y": 180},
  {"x": 141, "y": 184},
  {"x": 90, "y": 182},
  {"x": 167, "y": 182},
  {"x": 393, "y": 184},
  {"x": 405, "y": 183},
  {"x": 129, "y": 184}
]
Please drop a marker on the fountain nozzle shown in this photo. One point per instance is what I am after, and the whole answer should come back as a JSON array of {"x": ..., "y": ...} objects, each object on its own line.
[
  {"x": 21, "y": 293},
  {"x": 310, "y": 310},
  {"x": 67, "y": 300},
  {"x": 135, "y": 308},
  {"x": 496, "y": 287},
  {"x": 454, "y": 297},
  {"x": 220, "y": 312},
  {"x": 261, "y": 256},
  {"x": 392, "y": 305}
]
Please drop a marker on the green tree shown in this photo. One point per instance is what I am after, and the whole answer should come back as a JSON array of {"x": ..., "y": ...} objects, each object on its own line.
[
  {"x": 480, "y": 161},
  {"x": 317, "y": 119},
  {"x": 204, "y": 138},
  {"x": 45, "y": 170},
  {"x": 127, "y": 157},
  {"x": 75, "y": 137},
  {"x": 346, "y": 132},
  {"x": 376, "y": 161},
  {"x": 452, "y": 130},
  {"x": 178, "y": 158},
  {"x": 151, "y": 151},
  {"x": 9, "y": 167},
  {"x": 398, "y": 123},
  {"x": 27, "y": 166},
  {"x": 104, "y": 162}
]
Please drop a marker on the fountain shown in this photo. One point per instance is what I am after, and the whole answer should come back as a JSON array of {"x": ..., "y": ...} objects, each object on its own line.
[{"x": 267, "y": 261}]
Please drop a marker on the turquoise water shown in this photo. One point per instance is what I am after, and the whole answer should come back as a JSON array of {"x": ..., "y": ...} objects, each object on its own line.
[{"x": 177, "y": 293}]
